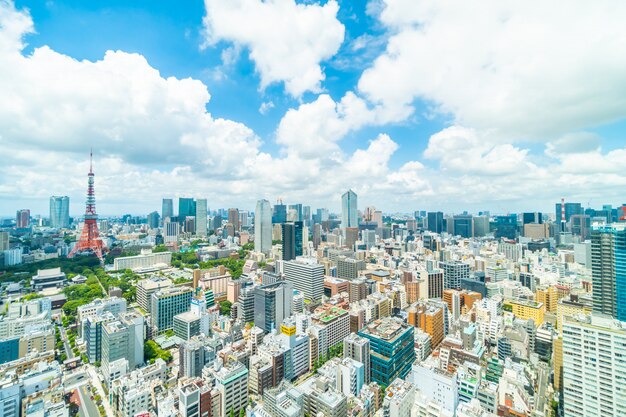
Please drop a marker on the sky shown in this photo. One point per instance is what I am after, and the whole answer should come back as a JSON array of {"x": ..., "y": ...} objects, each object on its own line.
[{"x": 414, "y": 104}]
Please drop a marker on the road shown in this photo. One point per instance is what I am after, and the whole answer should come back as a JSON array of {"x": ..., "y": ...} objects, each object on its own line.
[
  {"x": 88, "y": 407},
  {"x": 66, "y": 343}
]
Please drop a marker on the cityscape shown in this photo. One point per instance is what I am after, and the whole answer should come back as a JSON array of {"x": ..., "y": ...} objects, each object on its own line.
[{"x": 158, "y": 259}]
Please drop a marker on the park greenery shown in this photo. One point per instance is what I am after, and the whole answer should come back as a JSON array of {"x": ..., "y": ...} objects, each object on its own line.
[
  {"x": 152, "y": 351},
  {"x": 333, "y": 352},
  {"x": 225, "y": 307}
]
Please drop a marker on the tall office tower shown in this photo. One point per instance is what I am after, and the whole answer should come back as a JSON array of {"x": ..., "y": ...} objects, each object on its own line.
[
  {"x": 392, "y": 345},
  {"x": 292, "y": 240},
  {"x": 306, "y": 276},
  {"x": 298, "y": 210},
  {"x": 306, "y": 215},
  {"x": 463, "y": 225},
  {"x": 358, "y": 348},
  {"x": 172, "y": 230},
  {"x": 352, "y": 235},
  {"x": 289, "y": 241},
  {"x": 115, "y": 345},
  {"x": 263, "y": 227},
  {"x": 186, "y": 208},
  {"x": 594, "y": 349},
  {"x": 201, "y": 217},
  {"x": 349, "y": 216},
  {"x": 453, "y": 273},
  {"x": 167, "y": 303},
  {"x": 233, "y": 218},
  {"x": 272, "y": 304},
  {"x": 322, "y": 214},
  {"x": 134, "y": 322},
  {"x": 191, "y": 355},
  {"x": 317, "y": 235},
  {"x": 59, "y": 212},
  {"x": 167, "y": 209},
  {"x": 154, "y": 220},
  {"x": 529, "y": 218},
  {"x": 22, "y": 219},
  {"x": 608, "y": 268},
  {"x": 506, "y": 226},
  {"x": 4, "y": 241},
  {"x": 580, "y": 225},
  {"x": 434, "y": 221},
  {"x": 279, "y": 215},
  {"x": 481, "y": 226},
  {"x": 570, "y": 210},
  {"x": 216, "y": 222}
]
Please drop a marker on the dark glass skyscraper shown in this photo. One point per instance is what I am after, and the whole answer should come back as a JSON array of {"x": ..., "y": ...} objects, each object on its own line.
[
  {"x": 506, "y": 226},
  {"x": 280, "y": 213},
  {"x": 292, "y": 240},
  {"x": 435, "y": 221},
  {"x": 186, "y": 207}
]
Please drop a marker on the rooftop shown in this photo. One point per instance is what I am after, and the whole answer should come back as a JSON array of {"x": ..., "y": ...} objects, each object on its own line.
[{"x": 386, "y": 328}]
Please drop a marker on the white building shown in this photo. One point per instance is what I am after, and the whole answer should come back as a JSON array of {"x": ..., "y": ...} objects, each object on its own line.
[
  {"x": 307, "y": 276},
  {"x": 594, "y": 365},
  {"x": 399, "y": 398},
  {"x": 144, "y": 261},
  {"x": 263, "y": 227}
]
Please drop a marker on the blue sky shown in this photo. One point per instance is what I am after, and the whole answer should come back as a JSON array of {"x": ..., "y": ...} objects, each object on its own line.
[{"x": 432, "y": 111}]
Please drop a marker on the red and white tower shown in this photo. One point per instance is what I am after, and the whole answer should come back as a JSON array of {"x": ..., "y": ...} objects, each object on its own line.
[{"x": 89, "y": 239}]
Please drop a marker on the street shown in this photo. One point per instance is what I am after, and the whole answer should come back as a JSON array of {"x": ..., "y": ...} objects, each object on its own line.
[{"x": 88, "y": 407}]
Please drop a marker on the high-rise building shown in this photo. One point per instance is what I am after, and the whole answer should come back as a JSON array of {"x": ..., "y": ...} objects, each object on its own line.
[
  {"x": 594, "y": 365},
  {"x": 453, "y": 273},
  {"x": 167, "y": 303},
  {"x": 349, "y": 216},
  {"x": 4, "y": 241},
  {"x": 570, "y": 210},
  {"x": 116, "y": 345},
  {"x": 59, "y": 212},
  {"x": 307, "y": 276},
  {"x": 272, "y": 304},
  {"x": 186, "y": 207},
  {"x": 434, "y": 221},
  {"x": 154, "y": 220},
  {"x": 292, "y": 240},
  {"x": 279, "y": 214},
  {"x": 358, "y": 348},
  {"x": 463, "y": 225},
  {"x": 233, "y": 218},
  {"x": 263, "y": 227},
  {"x": 506, "y": 226},
  {"x": 349, "y": 268},
  {"x": 608, "y": 268},
  {"x": 201, "y": 217},
  {"x": 231, "y": 380},
  {"x": 191, "y": 355},
  {"x": 392, "y": 347},
  {"x": 167, "y": 208},
  {"x": 297, "y": 208},
  {"x": 22, "y": 219}
]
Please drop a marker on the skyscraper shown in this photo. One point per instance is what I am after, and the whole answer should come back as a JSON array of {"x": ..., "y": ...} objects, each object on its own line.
[
  {"x": 233, "y": 218},
  {"x": 307, "y": 276},
  {"x": 292, "y": 240},
  {"x": 263, "y": 227},
  {"x": 298, "y": 210},
  {"x": 59, "y": 212},
  {"x": 272, "y": 304},
  {"x": 22, "y": 219},
  {"x": 608, "y": 268},
  {"x": 167, "y": 209},
  {"x": 464, "y": 225},
  {"x": 153, "y": 220},
  {"x": 186, "y": 207},
  {"x": 349, "y": 210},
  {"x": 435, "y": 221},
  {"x": 279, "y": 214},
  {"x": 594, "y": 349},
  {"x": 201, "y": 217}
]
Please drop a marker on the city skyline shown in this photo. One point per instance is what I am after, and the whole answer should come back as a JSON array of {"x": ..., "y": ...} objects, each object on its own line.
[{"x": 464, "y": 125}]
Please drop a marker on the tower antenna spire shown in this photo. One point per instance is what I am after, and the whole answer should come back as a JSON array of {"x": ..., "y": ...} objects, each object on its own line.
[{"x": 90, "y": 240}]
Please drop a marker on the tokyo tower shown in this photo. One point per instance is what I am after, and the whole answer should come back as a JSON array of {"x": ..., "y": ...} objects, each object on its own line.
[{"x": 89, "y": 239}]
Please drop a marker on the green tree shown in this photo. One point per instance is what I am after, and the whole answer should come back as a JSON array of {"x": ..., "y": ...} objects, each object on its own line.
[{"x": 225, "y": 307}]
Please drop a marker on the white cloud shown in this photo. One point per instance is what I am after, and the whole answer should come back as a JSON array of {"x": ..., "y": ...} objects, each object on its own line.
[
  {"x": 529, "y": 69},
  {"x": 265, "y": 107},
  {"x": 287, "y": 41}
]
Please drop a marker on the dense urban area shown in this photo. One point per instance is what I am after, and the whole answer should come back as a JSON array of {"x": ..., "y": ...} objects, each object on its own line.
[{"x": 284, "y": 312}]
